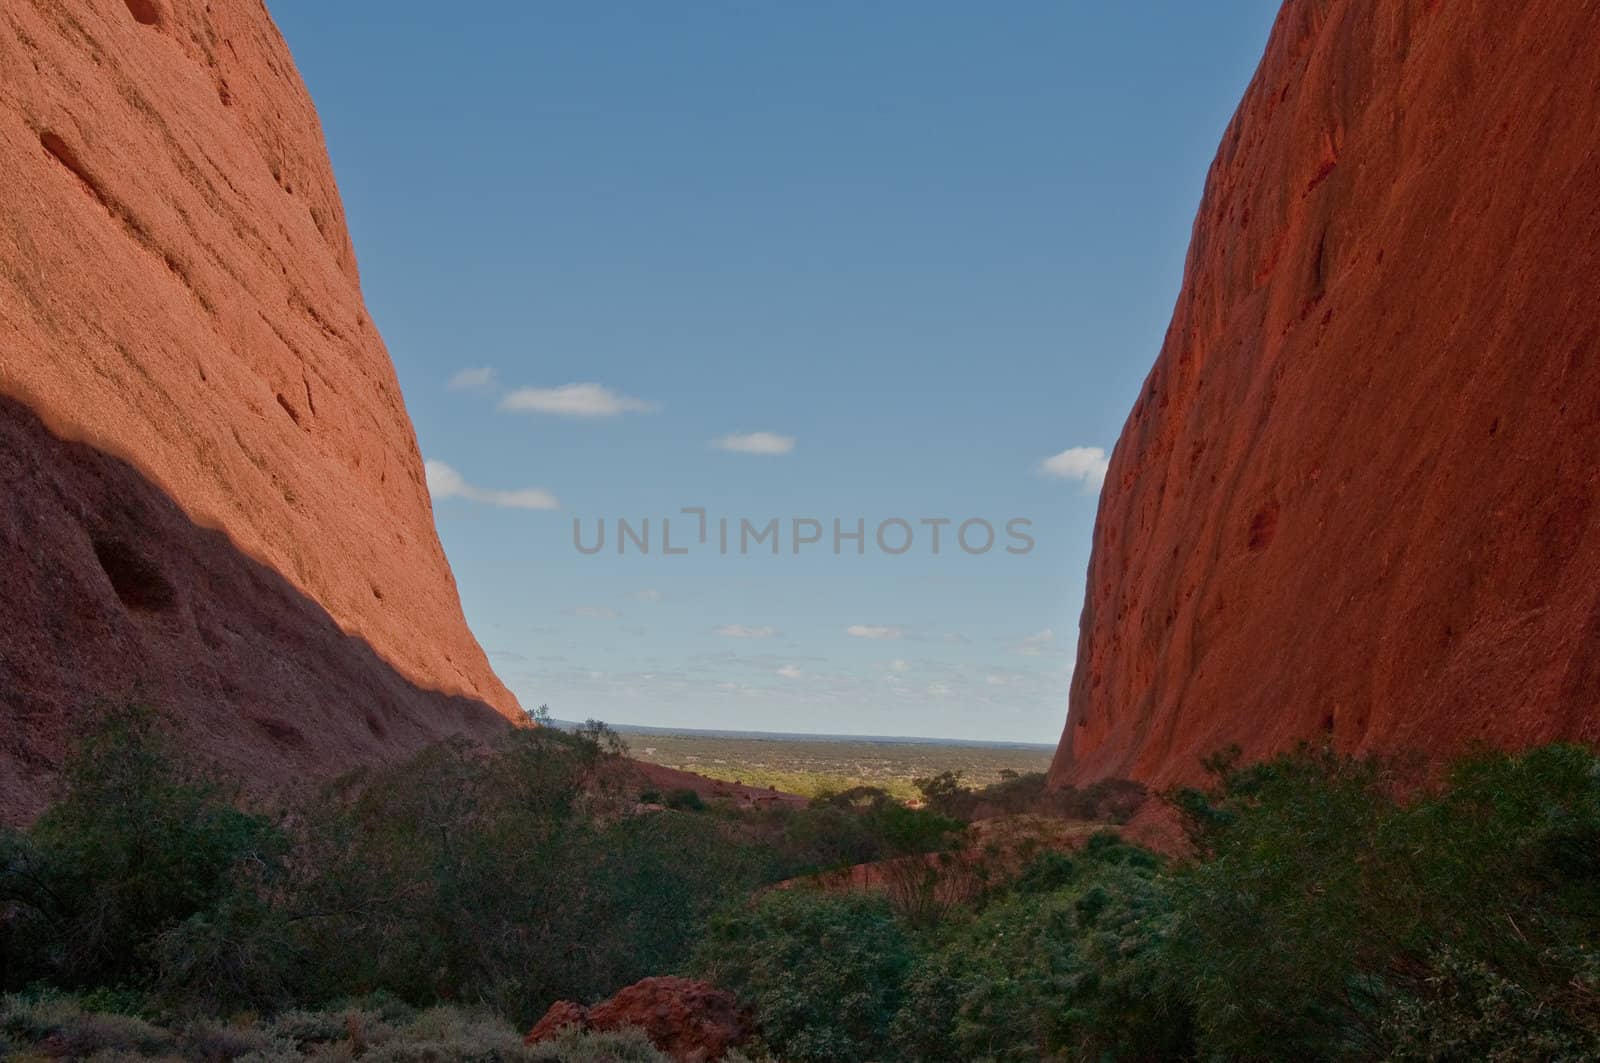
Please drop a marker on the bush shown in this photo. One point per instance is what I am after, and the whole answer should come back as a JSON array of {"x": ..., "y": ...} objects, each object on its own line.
[
  {"x": 63, "y": 1027},
  {"x": 1324, "y": 917},
  {"x": 1070, "y": 970},
  {"x": 1330, "y": 915},
  {"x": 840, "y": 831},
  {"x": 684, "y": 800},
  {"x": 596, "y": 1046},
  {"x": 505, "y": 876},
  {"x": 74, "y": 1031},
  {"x": 141, "y": 842},
  {"x": 823, "y": 973}
]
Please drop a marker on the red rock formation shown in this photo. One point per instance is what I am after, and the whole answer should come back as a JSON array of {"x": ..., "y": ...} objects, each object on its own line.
[
  {"x": 1357, "y": 498},
  {"x": 692, "y": 1022},
  {"x": 178, "y": 292}
]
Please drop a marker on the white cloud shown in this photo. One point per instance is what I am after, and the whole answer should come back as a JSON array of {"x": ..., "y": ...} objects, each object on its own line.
[
  {"x": 898, "y": 665},
  {"x": 740, "y": 631},
  {"x": 472, "y": 380},
  {"x": 875, "y": 631},
  {"x": 1087, "y": 465},
  {"x": 596, "y": 612},
  {"x": 1038, "y": 644},
  {"x": 789, "y": 671},
  {"x": 574, "y": 400},
  {"x": 755, "y": 443},
  {"x": 649, "y": 594},
  {"x": 445, "y": 482}
]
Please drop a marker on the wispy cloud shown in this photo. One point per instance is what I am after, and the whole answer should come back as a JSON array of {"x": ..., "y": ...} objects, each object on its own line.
[
  {"x": 574, "y": 400},
  {"x": 740, "y": 631},
  {"x": 755, "y": 443},
  {"x": 1038, "y": 644},
  {"x": 445, "y": 482},
  {"x": 899, "y": 665},
  {"x": 472, "y": 380},
  {"x": 1087, "y": 465},
  {"x": 649, "y": 594},
  {"x": 790, "y": 671},
  {"x": 595, "y": 612},
  {"x": 875, "y": 631}
]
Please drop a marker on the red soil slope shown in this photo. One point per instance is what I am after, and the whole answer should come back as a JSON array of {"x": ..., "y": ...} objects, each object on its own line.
[
  {"x": 212, "y": 489},
  {"x": 1357, "y": 498}
]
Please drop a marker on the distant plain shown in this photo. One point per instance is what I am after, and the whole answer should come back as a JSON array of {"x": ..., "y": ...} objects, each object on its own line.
[{"x": 813, "y": 764}]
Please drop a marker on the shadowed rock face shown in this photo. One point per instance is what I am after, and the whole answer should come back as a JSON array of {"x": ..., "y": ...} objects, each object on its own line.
[
  {"x": 1357, "y": 499},
  {"x": 178, "y": 291}
]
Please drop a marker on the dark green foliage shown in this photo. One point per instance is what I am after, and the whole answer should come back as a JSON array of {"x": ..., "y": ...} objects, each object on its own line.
[
  {"x": 822, "y": 972},
  {"x": 509, "y": 875},
  {"x": 1326, "y": 919},
  {"x": 506, "y": 876},
  {"x": 142, "y": 848},
  {"x": 1110, "y": 800},
  {"x": 1336, "y": 919},
  {"x": 1070, "y": 967},
  {"x": 942, "y": 792},
  {"x": 1330, "y": 913},
  {"x": 858, "y": 827},
  {"x": 684, "y": 800}
]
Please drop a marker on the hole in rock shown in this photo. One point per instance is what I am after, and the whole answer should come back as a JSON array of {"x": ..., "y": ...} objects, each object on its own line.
[
  {"x": 1263, "y": 526},
  {"x": 145, "y": 12},
  {"x": 137, "y": 581},
  {"x": 283, "y": 733}
]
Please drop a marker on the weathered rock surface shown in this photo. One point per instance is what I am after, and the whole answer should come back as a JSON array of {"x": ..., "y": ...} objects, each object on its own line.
[
  {"x": 221, "y": 499},
  {"x": 690, "y": 1021},
  {"x": 1357, "y": 498}
]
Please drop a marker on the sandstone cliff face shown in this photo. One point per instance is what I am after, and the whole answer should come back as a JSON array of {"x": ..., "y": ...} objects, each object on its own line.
[
  {"x": 1356, "y": 500},
  {"x": 212, "y": 490}
]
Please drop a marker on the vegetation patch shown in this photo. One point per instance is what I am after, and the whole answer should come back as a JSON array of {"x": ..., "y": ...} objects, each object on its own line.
[{"x": 434, "y": 909}]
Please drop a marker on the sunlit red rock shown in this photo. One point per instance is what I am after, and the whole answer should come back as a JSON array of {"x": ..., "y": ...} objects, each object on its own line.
[
  {"x": 691, "y": 1021},
  {"x": 1356, "y": 501},
  {"x": 178, "y": 293}
]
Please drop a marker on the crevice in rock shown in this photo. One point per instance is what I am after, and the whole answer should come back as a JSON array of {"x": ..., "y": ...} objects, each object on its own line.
[{"x": 137, "y": 581}]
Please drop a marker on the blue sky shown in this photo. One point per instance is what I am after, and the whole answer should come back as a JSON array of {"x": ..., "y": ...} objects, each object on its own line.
[{"x": 830, "y": 261}]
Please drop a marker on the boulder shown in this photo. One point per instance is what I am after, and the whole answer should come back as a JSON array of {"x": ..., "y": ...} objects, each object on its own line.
[{"x": 690, "y": 1021}]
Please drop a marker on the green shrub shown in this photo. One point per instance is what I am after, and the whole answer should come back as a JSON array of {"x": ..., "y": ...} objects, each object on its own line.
[
  {"x": 846, "y": 830},
  {"x": 75, "y": 1032},
  {"x": 141, "y": 841},
  {"x": 822, "y": 972},
  {"x": 506, "y": 876},
  {"x": 1074, "y": 971},
  {"x": 684, "y": 800},
  {"x": 1110, "y": 800},
  {"x": 1330, "y": 914},
  {"x": 596, "y": 1046}
]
